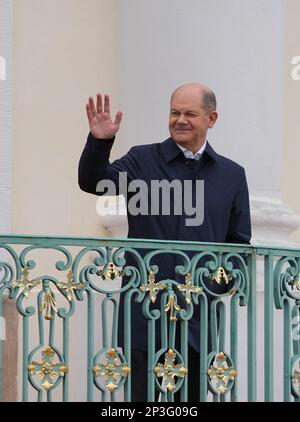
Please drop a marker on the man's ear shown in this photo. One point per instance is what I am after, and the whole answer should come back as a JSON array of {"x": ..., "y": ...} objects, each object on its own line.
[{"x": 212, "y": 119}]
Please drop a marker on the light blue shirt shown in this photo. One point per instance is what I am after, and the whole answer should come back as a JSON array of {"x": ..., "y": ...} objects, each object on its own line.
[{"x": 189, "y": 154}]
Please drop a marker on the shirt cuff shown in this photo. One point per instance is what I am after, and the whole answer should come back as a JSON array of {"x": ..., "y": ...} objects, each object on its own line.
[{"x": 100, "y": 144}]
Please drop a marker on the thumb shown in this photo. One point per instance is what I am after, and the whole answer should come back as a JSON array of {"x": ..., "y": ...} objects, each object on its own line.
[{"x": 118, "y": 118}]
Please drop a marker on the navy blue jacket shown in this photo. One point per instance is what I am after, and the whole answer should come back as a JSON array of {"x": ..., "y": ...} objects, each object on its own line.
[{"x": 226, "y": 203}]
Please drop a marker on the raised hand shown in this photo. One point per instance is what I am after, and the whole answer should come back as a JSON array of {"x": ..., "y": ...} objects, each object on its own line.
[{"x": 101, "y": 124}]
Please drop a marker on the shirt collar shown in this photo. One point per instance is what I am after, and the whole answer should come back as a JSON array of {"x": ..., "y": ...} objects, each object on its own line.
[
  {"x": 170, "y": 150},
  {"x": 189, "y": 154}
]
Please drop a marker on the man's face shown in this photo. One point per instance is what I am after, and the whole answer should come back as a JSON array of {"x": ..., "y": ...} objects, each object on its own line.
[{"x": 188, "y": 121}]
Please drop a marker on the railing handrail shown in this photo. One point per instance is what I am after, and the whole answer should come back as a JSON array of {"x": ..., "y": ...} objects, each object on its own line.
[{"x": 145, "y": 243}]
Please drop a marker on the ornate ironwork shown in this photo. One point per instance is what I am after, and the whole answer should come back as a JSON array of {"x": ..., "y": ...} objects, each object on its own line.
[
  {"x": 110, "y": 272},
  {"x": 219, "y": 275},
  {"x": 152, "y": 287},
  {"x": 172, "y": 307},
  {"x": 112, "y": 370},
  {"x": 73, "y": 279},
  {"x": 48, "y": 304},
  {"x": 170, "y": 370},
  {"x": 47, "y": 369},
  {"x": 286, "y": 281},
  {"x": 188, "y": 288},
  {"x": 296, "y": 377},
  {"x": 24, "y": 283},
  {"x": 295, "y": 282},
  {"x": 70, "y": 286},
  {"x": 221, "y": 373}
]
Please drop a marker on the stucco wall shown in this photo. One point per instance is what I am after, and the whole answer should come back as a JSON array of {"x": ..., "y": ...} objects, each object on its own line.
[{"x": 64, "y": 51}]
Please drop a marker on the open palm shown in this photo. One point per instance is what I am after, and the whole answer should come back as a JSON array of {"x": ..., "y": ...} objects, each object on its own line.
[{"x": 101, "y": 124}]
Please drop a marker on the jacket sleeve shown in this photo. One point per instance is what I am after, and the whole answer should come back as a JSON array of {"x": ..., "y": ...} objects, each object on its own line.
[
  {"x": 95, "y": 167},
  {"x": 239, "y": 228}
]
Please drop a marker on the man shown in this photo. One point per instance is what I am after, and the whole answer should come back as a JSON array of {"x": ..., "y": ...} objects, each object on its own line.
[{"x": 185, "y": 156}]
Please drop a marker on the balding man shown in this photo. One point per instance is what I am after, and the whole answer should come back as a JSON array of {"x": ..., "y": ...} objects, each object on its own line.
[{"x": 206, "y": 199}]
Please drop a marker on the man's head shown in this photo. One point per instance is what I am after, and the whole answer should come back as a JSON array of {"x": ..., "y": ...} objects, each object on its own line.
[{"x": 192, "y": 113}]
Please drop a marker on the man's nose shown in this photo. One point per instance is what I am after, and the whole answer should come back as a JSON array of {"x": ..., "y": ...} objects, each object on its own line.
[{"x": 181, "y": 119}]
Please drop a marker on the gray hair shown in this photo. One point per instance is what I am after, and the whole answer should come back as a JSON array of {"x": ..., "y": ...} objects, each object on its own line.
[{"x": 209, "y": 102}]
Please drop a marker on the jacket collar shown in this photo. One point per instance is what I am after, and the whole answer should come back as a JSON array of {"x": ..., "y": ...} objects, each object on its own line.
[{"x": 170, "y": 150}]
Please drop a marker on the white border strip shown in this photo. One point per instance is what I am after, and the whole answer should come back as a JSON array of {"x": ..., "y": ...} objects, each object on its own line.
[{"x": 6, "y": 7}]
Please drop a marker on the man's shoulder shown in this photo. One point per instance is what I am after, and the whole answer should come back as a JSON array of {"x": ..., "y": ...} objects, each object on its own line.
[
  {"x": 224, "y": 162},
  {"x": 167, "y": 148},
  {"x": 228, "y": 162},
  {"x": 144, "y": 149}
]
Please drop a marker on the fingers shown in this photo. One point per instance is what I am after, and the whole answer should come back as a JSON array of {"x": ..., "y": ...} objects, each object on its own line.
[
  {"x": 118, "y": 118},
  {"x": 92, "y": 107},
  {"x": 92, "y": 112},
  {"x": 99, "y": 103},
  {"x": 89, "y": 112},
  {"x": 106, "y": 104}
]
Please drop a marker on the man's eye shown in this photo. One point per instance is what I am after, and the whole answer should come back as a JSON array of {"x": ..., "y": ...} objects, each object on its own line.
[{"x": 191, "y": 115}]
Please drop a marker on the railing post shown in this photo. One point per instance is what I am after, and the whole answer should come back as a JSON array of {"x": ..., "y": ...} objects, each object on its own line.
[
  {"x": 252, "y": 358},
  {"x": 268, "y": 327},
  {"x": 90, "y": 346},
  {"x": 25, "y": 358},
  {"x": 150, "y": 363},
  {"x": 66, "y": 336},
  {"x": 287, "y": 353},
  {"x": 203, "y": 347}
]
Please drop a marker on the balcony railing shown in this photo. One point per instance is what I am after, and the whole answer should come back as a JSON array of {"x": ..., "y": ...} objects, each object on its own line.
[{"x": 66, "y": 294}]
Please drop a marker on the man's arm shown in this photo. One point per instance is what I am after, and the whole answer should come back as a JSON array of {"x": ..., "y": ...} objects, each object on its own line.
[
  {"x": 94, "y": 161},
  {"x": 239, "y": 228}
]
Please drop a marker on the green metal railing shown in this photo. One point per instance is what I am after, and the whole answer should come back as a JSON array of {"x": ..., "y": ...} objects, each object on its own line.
[{"x": 53, "y": 279}]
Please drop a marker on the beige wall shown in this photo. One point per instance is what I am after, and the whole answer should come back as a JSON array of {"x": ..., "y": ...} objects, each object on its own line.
[
  {"x": 64, "y": 51},
  {"x": 291, "y": 151}
]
